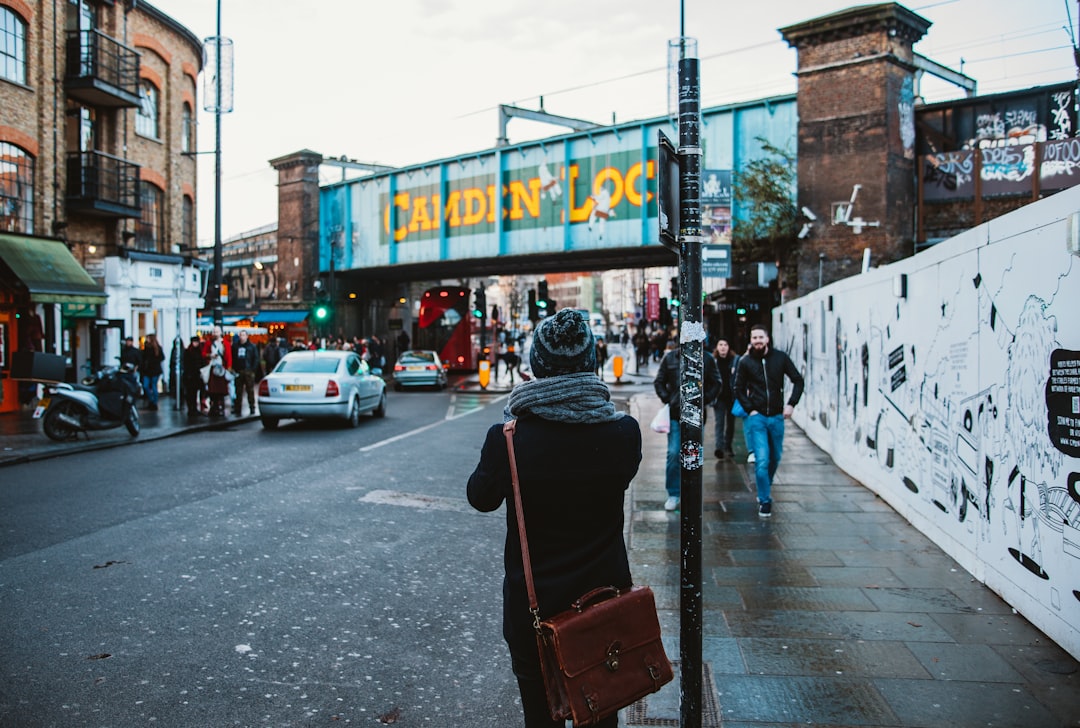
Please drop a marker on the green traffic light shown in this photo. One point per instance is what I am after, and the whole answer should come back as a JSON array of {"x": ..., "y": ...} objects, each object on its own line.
[
  {"x": 478, "y": 313},
  {"x": 322, "y": 312},
  {"x": 675, "y": 302}
]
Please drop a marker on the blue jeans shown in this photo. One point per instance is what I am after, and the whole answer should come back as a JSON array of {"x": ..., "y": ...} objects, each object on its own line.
[
  {"x": 724, "y": 427},
  {"x": 673, "y": 475},
  {"x": 765, "y": 435},
  {"x": 149, "y": 385}
]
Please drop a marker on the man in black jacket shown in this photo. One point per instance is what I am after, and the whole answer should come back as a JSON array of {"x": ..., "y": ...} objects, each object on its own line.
[
  {"x": 759, "y": 387},
  {"x": 245, "y": 357},
  {"x": 667, "y": 389}
]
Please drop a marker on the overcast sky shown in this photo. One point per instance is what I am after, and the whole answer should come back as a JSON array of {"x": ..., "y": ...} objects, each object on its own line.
[{"x": 410, "y": 81}]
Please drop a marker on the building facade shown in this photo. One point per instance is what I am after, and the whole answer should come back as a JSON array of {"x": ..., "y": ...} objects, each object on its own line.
[{"x": 97, "y": 174}]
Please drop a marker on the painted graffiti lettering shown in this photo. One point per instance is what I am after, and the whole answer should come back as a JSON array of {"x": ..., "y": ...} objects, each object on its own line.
[
  {"x": 1059, "y": 111},
  {"x": 1012, "y": 163}
]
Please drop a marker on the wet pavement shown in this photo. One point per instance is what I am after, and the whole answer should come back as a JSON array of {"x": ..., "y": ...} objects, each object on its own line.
[{"x": 834, "y": 612}]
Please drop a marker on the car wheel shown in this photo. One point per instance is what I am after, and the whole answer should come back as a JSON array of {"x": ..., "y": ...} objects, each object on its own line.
[
  {"x": 380, "y": 411},
  {"x": 354, "y": 413},
  {"x": 269, "y": 423}
]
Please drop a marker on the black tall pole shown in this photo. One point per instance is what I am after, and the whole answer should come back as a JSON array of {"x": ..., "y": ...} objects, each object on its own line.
[
  {"x": 691, "y": 337},
  {"x": 219, "y": 312}
]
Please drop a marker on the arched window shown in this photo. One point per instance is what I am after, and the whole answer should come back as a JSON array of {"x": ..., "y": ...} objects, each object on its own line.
[
  {"x": 16, "y": 189},
  {"x": 151, "y": 226},
  {"x": 146, "y": 114},
  {"x": 12, "y": 46},
  {"x": 187, "y": 233},
  {"x": 187, "y": 130}
]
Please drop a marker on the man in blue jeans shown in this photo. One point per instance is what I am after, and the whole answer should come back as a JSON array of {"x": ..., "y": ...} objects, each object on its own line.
[
  {"x": 667, "y": 389},
  {"x": 759, "y": 387}
]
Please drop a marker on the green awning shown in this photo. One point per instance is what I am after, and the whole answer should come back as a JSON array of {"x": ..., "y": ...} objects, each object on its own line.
[{"x": 49, "y": 270}]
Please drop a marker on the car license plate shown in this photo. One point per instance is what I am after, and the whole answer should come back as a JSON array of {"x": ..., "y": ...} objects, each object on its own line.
[
  {"x": 40, "y": 409},
  {"x": 415, "y": 369},
  {"x": 297, "y": 387}
]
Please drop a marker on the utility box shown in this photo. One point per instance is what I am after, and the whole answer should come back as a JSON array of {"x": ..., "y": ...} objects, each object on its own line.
[{"x": 38, "y": 366}]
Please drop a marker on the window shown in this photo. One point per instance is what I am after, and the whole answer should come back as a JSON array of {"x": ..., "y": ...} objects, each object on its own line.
[
  {"x": 12, "y": 46},
  {"x": 187, "y": 231},
  {"x": 16, "y": 190},
  {"x": 146, "y": 114},
  {"x": 151, "y": 225},
  {"x": 187, "y": 130}
]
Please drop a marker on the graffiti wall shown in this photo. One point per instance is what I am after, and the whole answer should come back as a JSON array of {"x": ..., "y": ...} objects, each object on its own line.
[{"x": 949, "y": 383}]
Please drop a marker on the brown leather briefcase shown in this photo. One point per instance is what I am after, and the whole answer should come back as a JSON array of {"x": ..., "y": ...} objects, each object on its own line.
[{"x": 602, "y": 654}]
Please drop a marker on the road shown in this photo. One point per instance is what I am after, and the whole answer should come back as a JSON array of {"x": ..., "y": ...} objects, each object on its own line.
[{"x": 251, "y": 578}]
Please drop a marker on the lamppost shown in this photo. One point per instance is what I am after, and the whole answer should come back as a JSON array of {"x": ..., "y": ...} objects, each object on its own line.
[{"x": 218, "y": 88}]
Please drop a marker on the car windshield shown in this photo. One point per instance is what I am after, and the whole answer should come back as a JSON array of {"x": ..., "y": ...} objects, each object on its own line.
[
  {"x": 303, "y": 365},
  {"x": 417, "y": 357}
]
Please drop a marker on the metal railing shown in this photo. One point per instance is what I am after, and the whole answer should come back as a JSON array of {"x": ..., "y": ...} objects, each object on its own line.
[
  {"x": 92, "y": 55},
  {"x": 103, "y": 182}
]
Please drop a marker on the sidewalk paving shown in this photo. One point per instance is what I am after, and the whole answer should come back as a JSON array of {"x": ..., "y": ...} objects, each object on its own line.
[{"x": 834, "y": 612}]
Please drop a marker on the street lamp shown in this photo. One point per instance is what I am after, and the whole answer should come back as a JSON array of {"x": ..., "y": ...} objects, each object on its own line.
[{"x": 218, "y": 88}]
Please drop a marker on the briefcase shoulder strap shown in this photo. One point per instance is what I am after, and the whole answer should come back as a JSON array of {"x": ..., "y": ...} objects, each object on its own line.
[{"x": 534, "y": 607}]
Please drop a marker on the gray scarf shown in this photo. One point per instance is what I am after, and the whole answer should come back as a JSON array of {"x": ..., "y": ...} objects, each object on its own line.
[{"x": 576, "y": 398}]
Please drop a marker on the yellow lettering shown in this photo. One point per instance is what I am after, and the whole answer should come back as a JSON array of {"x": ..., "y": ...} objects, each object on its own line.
[
  {"x": 633, "y": 196},
  {"x": 420, "y": 220},
  {"x": 475, "y": 206},
  {"x": 401, "y": 201},
  {"x": 452, "y": 211},
  {"x": 613, "y": 174},
  {"x": 577, "y": 214},
  {"x": 493, "y": 205},
  {"x": 530, "y": 198}
]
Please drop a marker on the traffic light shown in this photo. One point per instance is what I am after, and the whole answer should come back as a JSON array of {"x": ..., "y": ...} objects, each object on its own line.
[
  {"x": 544, "y": 306},
  {"x": 674, "y": 300},
  {"x": 534, "y": 312},
  {"x": 481, "y": 303},
  {"x": 321, "y": 313}
]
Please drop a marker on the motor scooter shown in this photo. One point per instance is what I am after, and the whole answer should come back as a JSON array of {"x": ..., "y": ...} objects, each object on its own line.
[{"x": 102, "y": 401}]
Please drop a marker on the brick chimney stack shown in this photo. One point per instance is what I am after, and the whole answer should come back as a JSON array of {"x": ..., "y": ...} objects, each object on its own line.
[
  {"x": 856, "y": 127},
  {"x": 298, "y": 224}
]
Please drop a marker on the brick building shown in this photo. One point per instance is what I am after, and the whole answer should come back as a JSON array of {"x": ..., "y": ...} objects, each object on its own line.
[{"x": 97, "y": 183}]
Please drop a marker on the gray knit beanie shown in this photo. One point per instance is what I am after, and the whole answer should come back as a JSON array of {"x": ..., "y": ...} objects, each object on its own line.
[{"x": 563, "y": 344}]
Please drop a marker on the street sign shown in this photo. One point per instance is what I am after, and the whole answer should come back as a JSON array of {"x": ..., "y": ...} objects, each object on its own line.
[{"x": 716, "y": 260}]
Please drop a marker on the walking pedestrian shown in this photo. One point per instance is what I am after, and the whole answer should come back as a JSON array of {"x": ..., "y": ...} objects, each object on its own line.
[
  {"x": 724, "y": 427},
  {"x": 150, "y": 368},
  {"x": 576, "y": 455},
  {"x": 245, "y": 357},
  {"x": 667, "y": 386},
  {"x": 759, "y": 387}
]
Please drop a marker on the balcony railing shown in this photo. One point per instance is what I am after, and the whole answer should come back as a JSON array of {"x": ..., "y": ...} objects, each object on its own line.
[
  {"x": 101, "y": 71},
  {"x": 103, "y": 185}
]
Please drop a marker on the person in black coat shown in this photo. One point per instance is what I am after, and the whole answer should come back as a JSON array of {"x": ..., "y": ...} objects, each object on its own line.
[
  {"x": 576, "y": 456},
  {"x": 724, "y": 424}
]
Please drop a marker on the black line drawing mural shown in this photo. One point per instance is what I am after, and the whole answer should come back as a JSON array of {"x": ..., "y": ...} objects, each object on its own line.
[{"x": 961, "y": 405}]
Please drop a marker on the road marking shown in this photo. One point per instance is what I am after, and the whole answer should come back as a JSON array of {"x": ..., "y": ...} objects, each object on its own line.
[
  {"x": 416, "y": 500},
  {"x": 450, "y": 416}
]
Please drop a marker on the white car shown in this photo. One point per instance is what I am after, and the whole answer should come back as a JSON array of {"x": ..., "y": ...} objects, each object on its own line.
[
  {"x": 320, "y": 384},
  {"x": 419, "y": 368}
]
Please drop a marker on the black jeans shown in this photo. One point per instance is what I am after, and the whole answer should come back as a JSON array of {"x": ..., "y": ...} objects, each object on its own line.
[{"x": 526, "y": 664}]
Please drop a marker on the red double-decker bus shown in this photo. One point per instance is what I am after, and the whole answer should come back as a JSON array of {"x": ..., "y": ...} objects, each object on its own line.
[{"x": 447, "y": 326}]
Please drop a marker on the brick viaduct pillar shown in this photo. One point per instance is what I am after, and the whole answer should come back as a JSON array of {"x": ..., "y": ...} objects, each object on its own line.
[{"x": 856, "y": 127}]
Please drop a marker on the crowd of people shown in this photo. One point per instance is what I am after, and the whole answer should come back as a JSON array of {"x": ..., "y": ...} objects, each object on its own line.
[{"x": 217, "y": 372}]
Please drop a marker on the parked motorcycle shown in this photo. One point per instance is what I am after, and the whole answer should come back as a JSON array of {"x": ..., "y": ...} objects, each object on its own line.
[{"x": 102, "y": 401}]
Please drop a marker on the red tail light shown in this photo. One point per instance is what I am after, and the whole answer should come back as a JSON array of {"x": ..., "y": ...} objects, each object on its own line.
[
  {"x": 431, "y": 368},
  {"x": 264, "y": 388},
  {"x": 399, "y": 368},
  {"x": 332, "y": 389}
]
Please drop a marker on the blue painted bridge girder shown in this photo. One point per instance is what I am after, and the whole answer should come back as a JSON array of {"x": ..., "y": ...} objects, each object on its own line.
[{"x": 579, "y": 201}]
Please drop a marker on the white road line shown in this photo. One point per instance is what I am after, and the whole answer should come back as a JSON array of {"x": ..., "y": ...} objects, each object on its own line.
[{"x": 418, "y": 430}]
